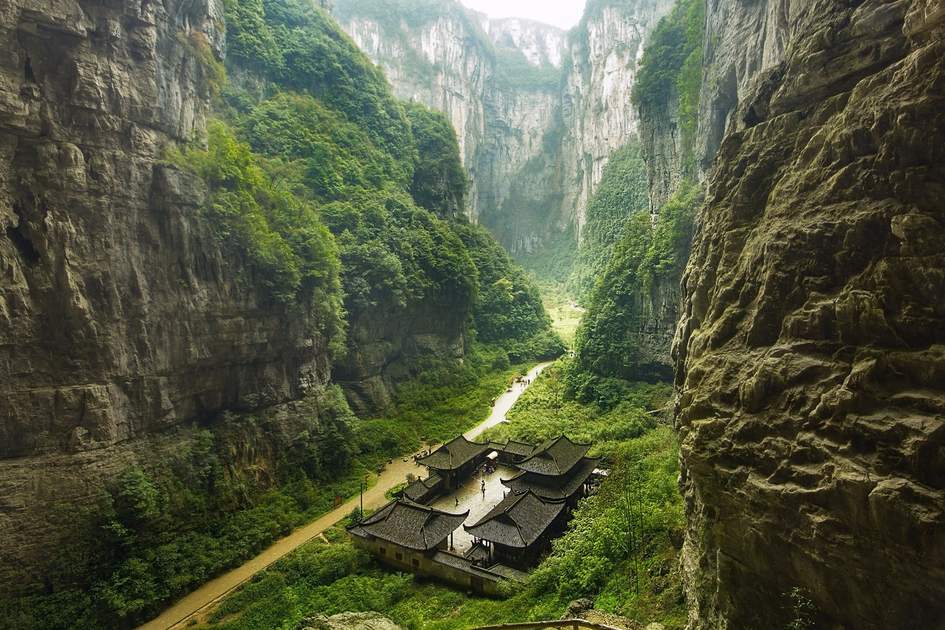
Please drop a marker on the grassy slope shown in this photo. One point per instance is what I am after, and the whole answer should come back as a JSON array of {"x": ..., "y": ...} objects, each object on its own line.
[
  {"x": 563, "y": 310},
  {"x": 626, "y": 570}
]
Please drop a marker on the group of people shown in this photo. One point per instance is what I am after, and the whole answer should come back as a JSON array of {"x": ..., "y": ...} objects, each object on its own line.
[{"x": 518, "y": 380}]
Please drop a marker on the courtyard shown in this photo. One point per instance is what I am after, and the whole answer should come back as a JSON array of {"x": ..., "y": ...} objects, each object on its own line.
[{"x": 469, "y": 496}]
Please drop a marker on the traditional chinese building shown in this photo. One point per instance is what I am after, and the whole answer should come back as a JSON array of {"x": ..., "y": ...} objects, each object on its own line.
[
  {"x": 456, "y": 460},
  {"x": 415, "y": 537},
  {"x": 511, "y": 537},
  {"x": 423, "y": 490},
  {"x": 512, "y": 452},
  {"x": 518, "y": 530},
  {"x": 557, "y": 469}
]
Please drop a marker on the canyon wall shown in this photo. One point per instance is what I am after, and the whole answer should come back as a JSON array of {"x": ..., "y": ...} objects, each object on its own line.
[
  {"x": 598, "y": 115},
  {"x": 534, "y": 140},
  {"x": 125, "y": 325},
  {"x": 811, "y": 344},
  {"x": 120, "y": 316}
]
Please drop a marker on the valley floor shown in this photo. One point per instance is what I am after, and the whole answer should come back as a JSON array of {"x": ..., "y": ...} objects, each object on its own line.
[
  {"x": 563, "y": 309},
  {"x": 393, "y": 475},
  {"x": 619, "y": 555}
]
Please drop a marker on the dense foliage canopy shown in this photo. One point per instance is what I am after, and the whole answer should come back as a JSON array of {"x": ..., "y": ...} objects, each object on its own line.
[
  {"x": 622, "y": 192},
  {"x": 387, "y": 178},
  {"x": 297, "y": 46},
  {"x": 509, "y": 310},
  {"x": 608, "y": 346},
  {"x": 439, "y": 179}
]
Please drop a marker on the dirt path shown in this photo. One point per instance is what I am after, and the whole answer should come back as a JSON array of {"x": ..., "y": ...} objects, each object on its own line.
[{"x": 216, "y": 589}]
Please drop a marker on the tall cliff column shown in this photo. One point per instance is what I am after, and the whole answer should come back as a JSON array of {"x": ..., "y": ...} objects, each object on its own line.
[
  {"x": 603, "y": 58},
  {"x": 811, "y": 347}
]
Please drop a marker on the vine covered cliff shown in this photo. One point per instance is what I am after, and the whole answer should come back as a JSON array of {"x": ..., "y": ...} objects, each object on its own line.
[{"x": 211, "y": 246}]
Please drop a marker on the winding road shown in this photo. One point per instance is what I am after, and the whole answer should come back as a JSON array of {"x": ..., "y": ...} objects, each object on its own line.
[{"x": 374, "y": 497}]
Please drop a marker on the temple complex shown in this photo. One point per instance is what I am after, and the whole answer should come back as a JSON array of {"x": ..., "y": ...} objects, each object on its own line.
[{"x": 527, "y": 495}]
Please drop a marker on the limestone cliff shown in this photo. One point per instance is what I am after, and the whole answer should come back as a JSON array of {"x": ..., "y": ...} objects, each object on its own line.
[
  {"x": 603, "y": 57},
  {"x": 120, "y": 316},
  {"x": 534, "y": 140},
  {"x": 810, "y": 349}
]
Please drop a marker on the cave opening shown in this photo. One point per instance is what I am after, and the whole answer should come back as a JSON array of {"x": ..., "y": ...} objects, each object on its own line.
[
  {"x": 28, "y": 70},
  {"x": 22, "y": 243}
]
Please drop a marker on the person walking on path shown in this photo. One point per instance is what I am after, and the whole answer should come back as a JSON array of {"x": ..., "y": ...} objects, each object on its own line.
[{"x": 483, "y": 488}]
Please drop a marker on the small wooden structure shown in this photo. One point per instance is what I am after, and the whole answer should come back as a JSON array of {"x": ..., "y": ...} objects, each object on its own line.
[
  {"x": 512, "y": 452},
  {"x": 456, "y": 460},
  {"x": 519, "y": 529},
  {"x": 423, "y": 490}
]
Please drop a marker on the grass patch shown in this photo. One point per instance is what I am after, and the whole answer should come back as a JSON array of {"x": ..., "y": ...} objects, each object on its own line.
[{"x": 562, "y": 308}]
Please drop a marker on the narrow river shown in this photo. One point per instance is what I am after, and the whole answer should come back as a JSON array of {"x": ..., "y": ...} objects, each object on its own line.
[{"x": 216, "y": 589}]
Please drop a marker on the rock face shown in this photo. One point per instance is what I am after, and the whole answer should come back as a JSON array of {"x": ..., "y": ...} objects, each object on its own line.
[
  {"x": 109, "y": 330},
  {"x": 383, "y": 350},
  {"x": 599, "y": 118},
  {"x": 535, "y": 149},
  {"x": 811, "y": 345},
  {"x": 121, "y": 320},
  {"x": 349, "y": 621}
]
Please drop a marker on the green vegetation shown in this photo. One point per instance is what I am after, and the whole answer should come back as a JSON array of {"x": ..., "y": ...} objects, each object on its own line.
[
  {"x": 561, "y": 307},
  {"x": 671, "y": 69},
  {"x": 396, "y": 249},
  {"x": 288, "y": 247},
  {"x": 299, "y": 47},
  {"x": 554, "y": 261},
  {"x": 440, "y": 402},
  {"x": 619, "y": 551},
  {"x": 608, "y": 346},
  {"x": 337, "y": 202},
  {"x": 439, "y": 180},
  {"x": 515, "y": 71},
  {"x": 622, "y": 192},
  {"x": 157, "y": 534},
  {"x": 509, "y": 310}
]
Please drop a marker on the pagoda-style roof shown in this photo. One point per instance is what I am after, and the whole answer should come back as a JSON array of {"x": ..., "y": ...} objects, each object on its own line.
[
  {"x": 554, "y": 457},
  {"x": 454, "y": 454},
  {"x": 520, "y": 449},
  {"x": 518, "y": 520},
  {"x": 551, "y": 487},
  {"x": 409, "y": 525},
  {"x": 421, "y": 487}
]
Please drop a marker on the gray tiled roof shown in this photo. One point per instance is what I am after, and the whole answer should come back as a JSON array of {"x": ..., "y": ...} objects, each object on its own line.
[
  {"x": 551, "y": 487},
  {"x": 518, "y": 520},
  {"x": 409, "y": 525},
  {"x": 422, "y": 487},
  {"x": 454, "y": 454},
  {"x": 554, "y": 457},
  {"x": 515, "y": 448}
]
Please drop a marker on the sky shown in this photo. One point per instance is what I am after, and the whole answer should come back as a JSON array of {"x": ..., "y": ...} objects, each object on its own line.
[{"x": 561, "y": 13}]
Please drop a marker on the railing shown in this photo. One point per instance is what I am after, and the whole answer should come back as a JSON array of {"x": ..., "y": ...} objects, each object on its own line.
[{"x": 574, "y": 624}]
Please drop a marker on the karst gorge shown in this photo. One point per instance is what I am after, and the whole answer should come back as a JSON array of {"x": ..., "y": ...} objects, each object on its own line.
[{"x": 379, "y": 314}]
